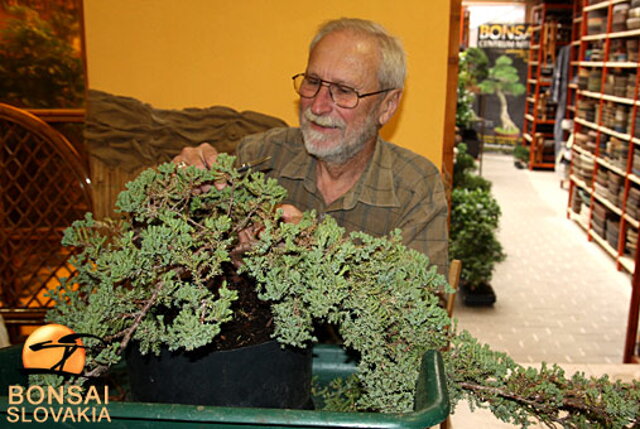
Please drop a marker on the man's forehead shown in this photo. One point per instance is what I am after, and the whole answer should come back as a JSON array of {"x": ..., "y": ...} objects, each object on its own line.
[{"x": 344, "y": 57}]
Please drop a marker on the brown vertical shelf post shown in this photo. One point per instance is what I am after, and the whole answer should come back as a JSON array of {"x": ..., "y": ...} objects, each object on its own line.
[{"x": 549, "y": 21}]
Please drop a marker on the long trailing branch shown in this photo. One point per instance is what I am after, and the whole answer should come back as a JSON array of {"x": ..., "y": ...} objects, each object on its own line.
[
  {"x": 536, "y": 403},
  {"x": 517, "y": 394}
]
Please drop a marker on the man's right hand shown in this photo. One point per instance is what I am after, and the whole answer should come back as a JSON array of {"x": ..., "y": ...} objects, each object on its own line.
[{"x": 202, "y": 156}]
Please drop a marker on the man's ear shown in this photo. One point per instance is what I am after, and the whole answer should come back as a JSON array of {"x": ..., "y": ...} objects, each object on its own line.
[{"x": 389, "y": 106}]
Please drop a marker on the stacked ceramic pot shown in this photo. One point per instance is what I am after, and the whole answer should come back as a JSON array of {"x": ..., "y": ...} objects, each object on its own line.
[
  {"x": 632, "y": 241},
  {"x": 633, "y": 15},
  {"x": 615, "y": 188},
  {"x": 599, "y": 219},
  {"x": 620, "y": 15},
  {"x": 617, "y": 152},
  {"x": 633, "y": 203},
  {"x": 635, "y": 166},
  {"x": 601, "y": 183}
]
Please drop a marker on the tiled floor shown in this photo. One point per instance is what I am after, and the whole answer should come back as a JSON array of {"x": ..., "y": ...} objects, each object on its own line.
[{"x": 559, "y": 297}]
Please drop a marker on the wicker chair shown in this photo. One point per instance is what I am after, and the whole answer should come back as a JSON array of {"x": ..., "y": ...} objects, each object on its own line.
[{"x": 43, "y": 188}]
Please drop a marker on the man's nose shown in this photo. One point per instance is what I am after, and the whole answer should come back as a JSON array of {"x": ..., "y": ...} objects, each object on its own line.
[{"x": 322, "y": 102}]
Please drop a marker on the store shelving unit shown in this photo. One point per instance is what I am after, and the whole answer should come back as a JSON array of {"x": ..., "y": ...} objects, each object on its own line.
[
  {"x": 604, "y": 185},
  {"x": 551, "y": 30}
]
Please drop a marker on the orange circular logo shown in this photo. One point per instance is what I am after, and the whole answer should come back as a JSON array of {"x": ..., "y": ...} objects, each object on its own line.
[{"x": 54, "y": 347}]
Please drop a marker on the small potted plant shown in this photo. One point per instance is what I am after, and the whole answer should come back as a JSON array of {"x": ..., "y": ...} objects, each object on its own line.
[{"x": 473, "y": 231}]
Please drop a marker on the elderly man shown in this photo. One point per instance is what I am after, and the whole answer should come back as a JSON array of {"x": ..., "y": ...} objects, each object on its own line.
[{"x": 336, "y": 163}]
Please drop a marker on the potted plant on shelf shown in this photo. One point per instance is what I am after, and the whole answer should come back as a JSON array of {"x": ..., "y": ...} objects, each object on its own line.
[{"x": 166, "y": 276}]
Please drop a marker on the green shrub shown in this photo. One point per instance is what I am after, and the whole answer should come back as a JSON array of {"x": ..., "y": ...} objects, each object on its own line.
[
  {"x": 463, "y": 168},
  {"x": 474, "y": 220}
]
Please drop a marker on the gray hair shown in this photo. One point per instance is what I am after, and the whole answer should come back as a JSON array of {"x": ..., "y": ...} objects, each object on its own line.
[{"x": 393, "y": 66}]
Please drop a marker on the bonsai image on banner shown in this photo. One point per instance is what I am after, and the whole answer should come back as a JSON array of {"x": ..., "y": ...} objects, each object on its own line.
[
  {"x": 501, "y": 102},
  {"x": 503, "y": 80}
]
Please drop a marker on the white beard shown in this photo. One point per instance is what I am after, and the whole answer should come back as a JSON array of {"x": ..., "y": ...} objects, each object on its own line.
[{"x": 348, "y": 145}]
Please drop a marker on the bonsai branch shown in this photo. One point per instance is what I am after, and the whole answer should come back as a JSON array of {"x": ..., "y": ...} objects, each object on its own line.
[{"x": 143, "y": 312}]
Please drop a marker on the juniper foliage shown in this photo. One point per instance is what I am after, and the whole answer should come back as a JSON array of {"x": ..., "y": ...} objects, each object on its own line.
[{"x": 164, "y": 256}]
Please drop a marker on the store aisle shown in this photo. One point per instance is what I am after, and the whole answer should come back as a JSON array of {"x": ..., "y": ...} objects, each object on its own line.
[{"x": 559, "y": 297}]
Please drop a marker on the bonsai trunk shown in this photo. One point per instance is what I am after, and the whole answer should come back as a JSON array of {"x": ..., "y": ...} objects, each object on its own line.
[{"x": 507, "y": 122}]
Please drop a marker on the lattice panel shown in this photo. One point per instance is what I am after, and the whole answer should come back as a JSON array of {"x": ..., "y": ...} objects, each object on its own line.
[{"x": 42, "y": 191}]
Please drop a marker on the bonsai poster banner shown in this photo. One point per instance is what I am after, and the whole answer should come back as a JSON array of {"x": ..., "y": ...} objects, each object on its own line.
[{"x": 502, "y": 97}]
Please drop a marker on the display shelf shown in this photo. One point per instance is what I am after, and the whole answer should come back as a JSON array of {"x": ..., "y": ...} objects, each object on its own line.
[
  {"x": 586, "y": 123},
  {"x": 628, "y": 263},
  {"x": 592, "y": 7},
  {"x": 614, "y": 133},
  {"x": 629, "y": 33},
  {"x": 634, "y": 178},
  {"x": 608, "y": 204},
  {"x": 577, "y": 219},
  {"x": 604, "y": 129},
  {"x": 548, "y": 35},
  {"x": 631, "y": 221},
  {"x": 606, "y": 105},
  {"x": 610, "y": 64},
  {"x": 603, "y": 243},
  {"x": 581, "y": 183},
  {"x": 609, "y": 166},
  {"x": 608, "y": 97}
]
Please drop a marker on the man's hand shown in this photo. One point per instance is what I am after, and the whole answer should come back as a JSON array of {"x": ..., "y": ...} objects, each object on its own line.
[
  {"x": 290, "y": 214},
  {"x": 202, "y": 156}
]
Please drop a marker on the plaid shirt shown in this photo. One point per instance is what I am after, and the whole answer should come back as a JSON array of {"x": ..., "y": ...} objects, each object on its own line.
[{"x": 398, "y": 189}]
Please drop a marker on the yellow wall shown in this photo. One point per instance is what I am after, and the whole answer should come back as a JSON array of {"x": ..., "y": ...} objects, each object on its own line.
[{"x": 242, "y": 53}]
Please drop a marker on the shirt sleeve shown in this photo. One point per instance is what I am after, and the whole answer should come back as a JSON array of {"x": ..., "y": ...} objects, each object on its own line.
[{"x": 250, "y": 148}]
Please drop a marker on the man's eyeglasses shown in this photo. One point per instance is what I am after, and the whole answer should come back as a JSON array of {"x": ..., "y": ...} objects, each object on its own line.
[{"x": 344, "y": 96}]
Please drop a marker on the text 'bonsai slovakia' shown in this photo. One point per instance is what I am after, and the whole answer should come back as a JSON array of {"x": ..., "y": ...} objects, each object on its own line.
[
  {"x": 503, "y": 80},
  {"x": 176, "y": 239}
]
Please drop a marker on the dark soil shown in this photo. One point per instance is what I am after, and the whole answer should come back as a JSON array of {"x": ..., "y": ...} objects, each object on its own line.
[{"x": 252, "y": 321}]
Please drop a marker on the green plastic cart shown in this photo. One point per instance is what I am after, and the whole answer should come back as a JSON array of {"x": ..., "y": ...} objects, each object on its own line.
[{"x": 329, "y": 362}]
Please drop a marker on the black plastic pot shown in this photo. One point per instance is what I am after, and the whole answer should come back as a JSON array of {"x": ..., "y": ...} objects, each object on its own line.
[
  {"x": 480, "y": 296},
  {"x": 263, "y": 375}
]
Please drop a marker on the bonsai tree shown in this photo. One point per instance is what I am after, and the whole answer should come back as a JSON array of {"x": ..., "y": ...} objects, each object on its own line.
[
  {"x": 474, "y": 221},
  {"x": 475, "y": 215},
  {"x": 503, "y": 80},
  {"x": 166, "y": 274},
  {"x": 178, "y": 240}
]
